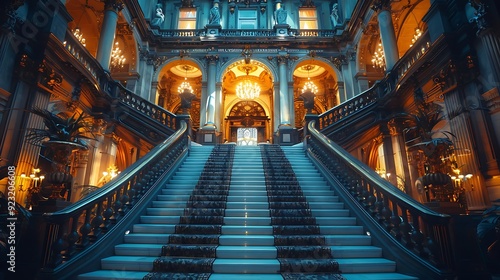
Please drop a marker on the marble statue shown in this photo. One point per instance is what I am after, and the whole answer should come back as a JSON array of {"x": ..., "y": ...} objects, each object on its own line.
[
  {"x": 214, "y": 15},
  {"x": 159, "y": 16},
  {"x": 280, "y": 15}
]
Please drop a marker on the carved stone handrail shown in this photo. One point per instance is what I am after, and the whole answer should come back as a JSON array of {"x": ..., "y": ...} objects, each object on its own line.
[
  {"x": 72, "y": 233},
  {"x": 383, "y": 89},
  {"x": 419, "y": 237},
  {"x": 85, "y": 59},
  {"x": 139, "y": 104}
]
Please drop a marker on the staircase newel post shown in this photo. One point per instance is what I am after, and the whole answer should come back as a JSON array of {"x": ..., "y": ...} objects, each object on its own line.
[{"x": 309, "y": 118}]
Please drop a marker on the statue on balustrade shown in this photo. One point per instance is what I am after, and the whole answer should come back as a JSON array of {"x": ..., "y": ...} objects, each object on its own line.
[
  {"x": 214, "y": 15},
  {"x": 334, "y": 16},
  {"x": 159, "y": 17},
  {"x": 280, "y": 15}
]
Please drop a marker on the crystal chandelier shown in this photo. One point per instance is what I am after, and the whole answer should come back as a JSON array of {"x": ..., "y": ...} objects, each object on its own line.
[
  {"x": 247, "y": 89},
  {"x": 185, "y": 85},
  {"x": 117, "y": 58},
  {"x": 79, "y": 35},
  {"x": 378, "y": 58},
  {"x": 309, "y": 86}
]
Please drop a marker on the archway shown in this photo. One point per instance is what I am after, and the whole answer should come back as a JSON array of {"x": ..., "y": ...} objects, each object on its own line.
[
  {"x": 240, "y": 111},
  {"x": 247, "y": 117}
]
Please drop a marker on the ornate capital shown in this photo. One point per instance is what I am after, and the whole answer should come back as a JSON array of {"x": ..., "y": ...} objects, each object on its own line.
[
  {"x": 379, "y": 5},
  {"x": 285, "y": 58},
  {"x": 212, "y": 59},
  {"x": 338, "y": 61},
  {"x": 113, "y": 5}
]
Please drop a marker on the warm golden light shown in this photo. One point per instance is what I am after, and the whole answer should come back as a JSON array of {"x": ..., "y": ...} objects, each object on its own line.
[
  {"x": 378, "y": 58},
  {"x": 247, "y": 90},
  {"x": 79, "y": 35},
  {"x": 117, "y": 58}
]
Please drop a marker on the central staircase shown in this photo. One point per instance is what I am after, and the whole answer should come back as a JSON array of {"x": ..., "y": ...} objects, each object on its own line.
[{"x": 266, "y": 200}]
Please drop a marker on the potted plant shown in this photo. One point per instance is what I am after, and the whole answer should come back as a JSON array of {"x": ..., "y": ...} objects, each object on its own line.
[
  {"x": 437, "y": 150},
  {"x": 61, "y": 137}
]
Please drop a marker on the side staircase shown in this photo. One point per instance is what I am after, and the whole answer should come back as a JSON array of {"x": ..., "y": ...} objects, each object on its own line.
[{"x": 247, "y": 244}]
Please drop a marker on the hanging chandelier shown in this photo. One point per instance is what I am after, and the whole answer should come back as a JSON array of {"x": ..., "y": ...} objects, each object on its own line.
[
  {"x": 378, "y": 59},
  {"x": 185, "y": 86},
  {"x": 117, "y": 58},
  {"x": 309, "y": 86},
  {"x": 247, "y": 89}
]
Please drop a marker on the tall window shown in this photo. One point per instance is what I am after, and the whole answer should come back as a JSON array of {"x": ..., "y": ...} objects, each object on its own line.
[
  {"x": 187, "y": 18},
  {"x": 307, "y": 18},
  {"x": 247, "y": 19}
]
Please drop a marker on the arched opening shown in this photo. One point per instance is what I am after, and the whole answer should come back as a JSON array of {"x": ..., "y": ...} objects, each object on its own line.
[
  {"x": 242, "y": 113},
  {"x": 247, "y": 124}
]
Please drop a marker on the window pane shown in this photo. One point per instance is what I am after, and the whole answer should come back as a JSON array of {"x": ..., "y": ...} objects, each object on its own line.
[
  {"x": 308, "y": 19},
  {"x": 187, "y": 19},
  {"x": 187, "y": 24},
  {"x": 308, "y": 24},
  {"x": 307, "y": 13}
]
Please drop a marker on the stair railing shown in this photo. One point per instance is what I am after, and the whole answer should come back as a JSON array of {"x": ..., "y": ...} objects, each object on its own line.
[
  {"x": 417, "y": 238},
  {"x": 74, "y": 239}
]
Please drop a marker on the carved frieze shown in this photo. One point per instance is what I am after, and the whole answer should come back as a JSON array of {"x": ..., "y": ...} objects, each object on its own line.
[{"x": 49, "y": 78}]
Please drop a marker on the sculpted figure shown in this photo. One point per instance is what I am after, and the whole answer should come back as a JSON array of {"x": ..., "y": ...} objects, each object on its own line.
[
  {"x": 159, "y": 16},
  {"x": 280, "y": 15},
  {"x": 214, "y": 15},
  {"x": 334, "y": 16}
]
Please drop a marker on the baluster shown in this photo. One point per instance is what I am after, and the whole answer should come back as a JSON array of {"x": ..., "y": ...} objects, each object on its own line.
[
  {"x": 107, "y": 214},
  {"x": 72, "y": 238},
  {"x": 405, "y": 229},
  {"x": 54, "y": 249},
  {"x": 96, "y": 223},
  {"x": 418, "y": 237},
  {"x": 117, "y": 205},
  {"x": 85, "y": 230},
  {"x": 395, "y": 222}
]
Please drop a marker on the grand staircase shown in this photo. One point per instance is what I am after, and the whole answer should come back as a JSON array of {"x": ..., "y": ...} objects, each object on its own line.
[{"x": 255, "y": 236}]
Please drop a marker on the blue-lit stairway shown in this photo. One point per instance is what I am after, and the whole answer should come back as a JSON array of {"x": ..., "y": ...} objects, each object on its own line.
[{"x": 246, "y": 246}]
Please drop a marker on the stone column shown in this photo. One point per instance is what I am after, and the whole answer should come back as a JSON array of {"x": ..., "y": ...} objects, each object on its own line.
[
  {"x": 212, "y": 68},
  {"x": 390, "y": 165},
  {"x": 108, "y": 29},
  {"x": 474, "y": 151},
  {"x": 218, "y": 105},
  {"x": 396, "y": 128},
  {"x": 277, "y": 108},
  {"x": 203, "y": 103},
  {"x": 283, "y": 91},
  {"x": 387, "y": 33}
]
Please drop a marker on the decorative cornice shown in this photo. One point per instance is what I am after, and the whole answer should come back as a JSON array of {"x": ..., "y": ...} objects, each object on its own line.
[
  {"x": 308, "y": 4},
  {"x": 187, "y": 4}
]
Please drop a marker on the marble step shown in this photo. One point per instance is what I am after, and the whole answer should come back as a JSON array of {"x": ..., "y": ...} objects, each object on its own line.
[{"x": 246, "y": 230}]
